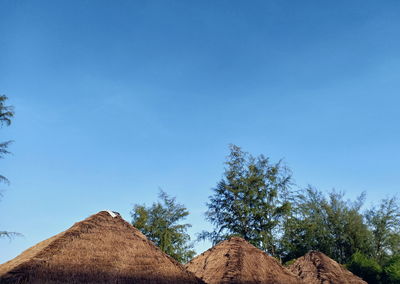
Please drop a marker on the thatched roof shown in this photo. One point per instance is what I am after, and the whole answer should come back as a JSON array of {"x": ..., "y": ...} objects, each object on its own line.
[
  {"x": 100, "y": 249},
  {"x": 317, "y": 268},
  {"x": 237, "y": 261}
]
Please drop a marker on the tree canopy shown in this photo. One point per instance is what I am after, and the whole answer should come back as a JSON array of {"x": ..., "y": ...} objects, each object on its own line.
[
  {"x": 256, "y": 199},
  {"x": 251, "y": 200},
  {"x": 6, "y": 115},
  {"x": 328, "y": 224},
  {"x": 161, "y": 223},
  {"x": 384, "y": 222}
]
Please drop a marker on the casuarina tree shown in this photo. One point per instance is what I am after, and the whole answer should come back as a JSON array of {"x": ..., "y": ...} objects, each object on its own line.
[
  {"x": 329, "y": 224},
  {"x": 162, "y": 224},
  {"x": 6, "y": 114},
  {"x": 384, "y": 222},
  {"x": 250, "y": 201}
]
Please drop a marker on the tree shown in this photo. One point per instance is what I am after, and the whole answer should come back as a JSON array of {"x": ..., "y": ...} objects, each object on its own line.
[
  {"x": 392, "y": 270},
  {"x": 6, "y": 114},
  {"x": 372, "y": 272},
  {"x": 384, "y": 222},
  {"x": 250, "y": 201},
  {"x": 365, "y": 267},
  {"x": 331, "y": 225},
  {"x": 161, "y": 223}
]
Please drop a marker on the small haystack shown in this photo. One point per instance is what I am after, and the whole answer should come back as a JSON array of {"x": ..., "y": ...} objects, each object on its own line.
[
  {"x": 317, "y": 268},
  {"x": 101, "y": 249},
  {"x": 237, "y": 261}
]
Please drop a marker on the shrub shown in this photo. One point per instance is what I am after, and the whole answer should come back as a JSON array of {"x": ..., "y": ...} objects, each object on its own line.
[
  {"x": 392, "y": 270},
  {"x": 364, "y": 267}
]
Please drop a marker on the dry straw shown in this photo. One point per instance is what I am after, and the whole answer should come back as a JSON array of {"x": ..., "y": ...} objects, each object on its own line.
[
  {"x": 237, "y": 261},
  {"x": 317, "y": 268},
  {"x": 100, "y": 249}
]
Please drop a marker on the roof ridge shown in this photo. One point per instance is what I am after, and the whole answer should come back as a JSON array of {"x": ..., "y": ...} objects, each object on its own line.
[{"x": 234, "y": 264}]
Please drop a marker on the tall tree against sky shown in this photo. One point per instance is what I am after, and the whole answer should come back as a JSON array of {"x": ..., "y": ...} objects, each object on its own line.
[
  {"x": 6, "y": 114},
  {"x": 250, "y": 201},
  {"x": 327, "y": 223},
  {"x": 161, "y": 223},
  {"x": 163, "y": 86},
  {"x": 384, "y": 222}
]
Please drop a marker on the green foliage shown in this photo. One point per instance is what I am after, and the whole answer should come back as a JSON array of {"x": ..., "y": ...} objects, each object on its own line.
[
  {"x": 384, "y": 222},
  {"x": 290, "y": 262},
  {"x": 250, "y": 201},
  {"x": 161, "y": 224},
  {"x": 254, "y": 200},
  {"x": 327, "y": 224},
  {"x": 365, "y": 267},
  {"x": 392, "y": 270},
  {"x": 6, "y": 114}
]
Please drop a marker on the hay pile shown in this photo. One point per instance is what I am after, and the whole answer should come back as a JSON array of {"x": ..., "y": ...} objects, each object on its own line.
[
  {"x": 237, "y": 261},
  {"x": 317, "y": 268},
  {"x": 100, "y": 249}
]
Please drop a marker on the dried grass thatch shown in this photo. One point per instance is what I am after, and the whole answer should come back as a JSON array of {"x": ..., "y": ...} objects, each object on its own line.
[
  {"x": 237, "y": 261},
  {"x": 100, "y": 249},
  {"x": 317, "y": 268}
]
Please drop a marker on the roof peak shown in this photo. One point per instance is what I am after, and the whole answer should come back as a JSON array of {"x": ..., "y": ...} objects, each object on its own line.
[
  {"x": 113, "y": 213},
  {"x": 84, "y": 252},
  {"x": 235, "y": 260},
  {"x": 236, "y": 238}
]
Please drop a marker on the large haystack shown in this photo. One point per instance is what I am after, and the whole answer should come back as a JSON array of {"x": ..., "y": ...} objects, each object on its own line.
[
  {"x": 237, "y": 261},
  {"x": 317, "y": 268},
  {"x": 101, "y": 249}
]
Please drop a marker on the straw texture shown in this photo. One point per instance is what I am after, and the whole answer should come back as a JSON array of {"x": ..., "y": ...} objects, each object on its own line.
[
  {"x": 100, "y": 249},
  {"x": 237, "y": 261},
  {"x": 317, "y": 268}
]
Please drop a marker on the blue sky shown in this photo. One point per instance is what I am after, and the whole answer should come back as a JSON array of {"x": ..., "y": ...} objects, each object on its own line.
[{"x": 115, "y": 99}]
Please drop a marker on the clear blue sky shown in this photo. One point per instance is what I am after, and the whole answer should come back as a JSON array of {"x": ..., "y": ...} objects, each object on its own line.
[{"x": 115, "y": 99}]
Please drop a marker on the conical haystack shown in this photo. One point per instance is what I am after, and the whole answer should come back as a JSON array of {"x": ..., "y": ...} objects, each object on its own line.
[
  {"x": 317, "y": 268},
  {"x": 101, "y": 249},
  {"x": 237, "y": 261}
]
